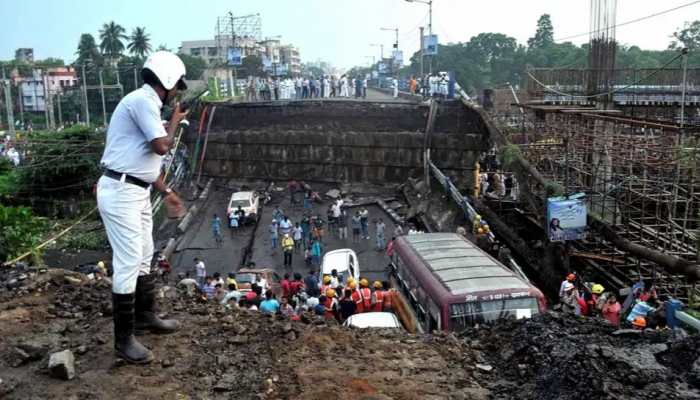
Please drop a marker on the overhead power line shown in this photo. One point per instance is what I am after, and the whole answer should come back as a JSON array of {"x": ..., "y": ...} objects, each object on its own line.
[{"x": 656, "y": 14}]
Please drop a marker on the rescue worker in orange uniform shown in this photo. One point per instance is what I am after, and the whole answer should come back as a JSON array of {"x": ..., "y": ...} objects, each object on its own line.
[
  {"x": 356, "y": 297},
  {"x": 365, "y": 296},
  {"x": 331, "y": 305},
  {"x": 387, "y": 296},
  {"x": 377, "y": 297},
  {"x": 326, "y": 284}
]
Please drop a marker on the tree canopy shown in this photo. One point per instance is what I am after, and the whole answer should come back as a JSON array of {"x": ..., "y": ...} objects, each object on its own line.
[
  {"x": 87, "y": 49},
  {"x": 688, "y": 37},
  {"x": 111, "y": 36},
  {"x": 139, "y": 44}
]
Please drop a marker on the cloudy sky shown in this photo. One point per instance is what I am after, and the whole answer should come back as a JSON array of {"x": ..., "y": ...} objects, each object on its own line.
[{"x": 339, "y": 31}]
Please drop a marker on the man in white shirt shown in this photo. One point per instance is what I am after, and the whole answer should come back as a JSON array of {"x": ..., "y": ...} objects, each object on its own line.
[{"x": 134, "y": 149}]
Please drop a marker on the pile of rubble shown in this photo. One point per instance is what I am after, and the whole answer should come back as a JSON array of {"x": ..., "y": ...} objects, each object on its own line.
[
  {"x": 56, "y": 342},
  {"x": 555, "y": 356}
]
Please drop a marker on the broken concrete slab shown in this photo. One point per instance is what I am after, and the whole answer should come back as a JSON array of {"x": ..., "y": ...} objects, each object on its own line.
[{"x": 62, "y": 365}]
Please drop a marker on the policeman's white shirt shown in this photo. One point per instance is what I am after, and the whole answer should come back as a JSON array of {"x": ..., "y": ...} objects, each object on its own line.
[{"x": 134, "y": 124}]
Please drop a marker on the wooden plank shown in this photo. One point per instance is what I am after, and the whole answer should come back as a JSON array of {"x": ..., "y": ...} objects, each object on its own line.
[{"x": 599, "y": 257}]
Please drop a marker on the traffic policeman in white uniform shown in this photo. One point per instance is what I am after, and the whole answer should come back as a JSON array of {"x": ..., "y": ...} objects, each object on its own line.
[{"x": 136, "y": 143}]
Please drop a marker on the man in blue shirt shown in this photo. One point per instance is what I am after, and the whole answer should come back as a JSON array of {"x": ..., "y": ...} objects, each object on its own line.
[{"x": 270, "y": 305}]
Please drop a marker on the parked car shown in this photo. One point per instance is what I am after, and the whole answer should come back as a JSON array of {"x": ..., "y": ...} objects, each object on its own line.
[
  {"x": 245, "y": 277},
  {"x": 375, "y": 320},
  {"x": 342, "y": 260},
  {"x": 249, "y": 203}
]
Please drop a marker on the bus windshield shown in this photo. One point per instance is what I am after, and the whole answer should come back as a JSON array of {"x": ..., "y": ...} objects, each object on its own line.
[{"x": 463, "y": 315}]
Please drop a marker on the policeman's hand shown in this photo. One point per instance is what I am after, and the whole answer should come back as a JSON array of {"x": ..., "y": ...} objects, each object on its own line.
[
  {"x": 174, "y": 206},
  {"x": 178, "y": 115}
]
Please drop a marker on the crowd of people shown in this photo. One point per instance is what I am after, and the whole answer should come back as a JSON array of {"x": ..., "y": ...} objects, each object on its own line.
[
  {"x": 332, "y": 297},
  {"x": 643, "y": 309},
  {"x": 325, "y": 86}
]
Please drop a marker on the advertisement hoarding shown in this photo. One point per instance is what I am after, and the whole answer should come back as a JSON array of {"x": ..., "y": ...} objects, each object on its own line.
[
  {"x": 234, "y": 57},
  {"x": 566, "y": 218},
  {"x": 430, "y": 45}
]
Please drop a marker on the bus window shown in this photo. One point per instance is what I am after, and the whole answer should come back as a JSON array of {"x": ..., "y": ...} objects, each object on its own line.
[{"x": 463, "y": 315}]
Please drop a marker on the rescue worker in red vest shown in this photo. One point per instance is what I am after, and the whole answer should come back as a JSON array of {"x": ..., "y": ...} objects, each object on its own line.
[
  {"x": 387, "y": 296},
  {"x": 365, "y": 296},
  {"x": 377, "y": 297},
  {"x": 330, "y": 306},
  {"x": 356, "y": 297},
  {"x": 326, "y": 283}
]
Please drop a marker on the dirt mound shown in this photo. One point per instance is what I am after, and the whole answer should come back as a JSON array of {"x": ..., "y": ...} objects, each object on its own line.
[
  {"x": 220, "y": 354},
  {"x": 217, "y": 354},
  {"x": 554, "y": 356}
]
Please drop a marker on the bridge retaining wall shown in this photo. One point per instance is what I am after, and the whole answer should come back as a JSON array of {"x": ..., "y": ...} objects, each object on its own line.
[{"x": 339, "y": 141}]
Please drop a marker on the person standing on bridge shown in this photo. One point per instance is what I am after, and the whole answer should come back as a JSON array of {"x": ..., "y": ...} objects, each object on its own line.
[
  {"x": 135, "y": 145},
  {"x": 395, "y": 86},
  {"x": 381, "y": 236},
  {"x": 364, "y": 87},
  {"x": 274, "y": 235}
]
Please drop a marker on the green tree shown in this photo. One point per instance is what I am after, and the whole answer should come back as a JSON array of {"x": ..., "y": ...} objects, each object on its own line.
[
  {"x": 111, "y": 36},
  {"x": 688, "y": 37},
  {"x": 194, "y": 66},
  {"x": 544, "y": 36},
  {"x": 162, "y": 47},
  {"x": 140, "y": 42},
  {"x": 87, "y": 49}
]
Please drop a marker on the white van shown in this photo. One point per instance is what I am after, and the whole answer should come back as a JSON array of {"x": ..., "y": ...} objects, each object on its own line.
[
  {"x": 342, "y": 260},
  {"x": 375, "y": 320}
]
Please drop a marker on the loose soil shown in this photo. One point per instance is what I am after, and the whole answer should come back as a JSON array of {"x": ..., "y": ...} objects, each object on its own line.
[{"x": 221, "y": 354}]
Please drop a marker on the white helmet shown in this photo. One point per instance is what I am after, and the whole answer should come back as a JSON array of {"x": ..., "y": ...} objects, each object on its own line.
[{"x": 169, "y": 69}]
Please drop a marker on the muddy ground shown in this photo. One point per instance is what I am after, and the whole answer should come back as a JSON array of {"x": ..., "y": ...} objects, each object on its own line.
[{"x": 221, "y": 354}]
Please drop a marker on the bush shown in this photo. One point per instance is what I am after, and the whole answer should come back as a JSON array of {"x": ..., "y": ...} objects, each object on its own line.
[{"x": 20, "y": 231}]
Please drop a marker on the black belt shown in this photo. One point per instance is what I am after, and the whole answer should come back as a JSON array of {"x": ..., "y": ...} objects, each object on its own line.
[{"x": 127, "y": 178}]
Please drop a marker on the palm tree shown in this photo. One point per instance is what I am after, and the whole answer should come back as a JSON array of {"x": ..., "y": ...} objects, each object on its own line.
[
  {"x": 87, "y": 49},
  {"x": 112, "y": 35},
  {"x": 139, "y": 45}
]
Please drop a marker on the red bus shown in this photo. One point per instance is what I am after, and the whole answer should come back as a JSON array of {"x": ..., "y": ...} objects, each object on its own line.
[{"x": 452, "y": 284}]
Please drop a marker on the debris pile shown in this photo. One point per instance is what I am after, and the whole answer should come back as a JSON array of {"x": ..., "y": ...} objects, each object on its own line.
[
  {"x": 556, "y": 356},
  {"x": 56, "y": 343}
]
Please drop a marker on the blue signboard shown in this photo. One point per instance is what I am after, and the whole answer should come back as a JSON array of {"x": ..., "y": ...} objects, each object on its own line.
[
  {"x": 234, "y": 56},
  {"x": 566, "y": 219},
  {"x": 430, "y": 45}
]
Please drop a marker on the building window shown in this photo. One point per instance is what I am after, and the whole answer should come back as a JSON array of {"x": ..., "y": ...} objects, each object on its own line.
[
  {"x": 195, "y": 52},
  {"x": 212, "y": 51}
]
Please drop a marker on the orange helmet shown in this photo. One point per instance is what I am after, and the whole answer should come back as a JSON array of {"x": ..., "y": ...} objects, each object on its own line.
[
  {"x": 640, "y": 322},
  {"x": 330, "y": 293},
  {"x": 352, "y": 285},
  {"x": 377, "y": 285},
  {"x": 364, "y": 282}
]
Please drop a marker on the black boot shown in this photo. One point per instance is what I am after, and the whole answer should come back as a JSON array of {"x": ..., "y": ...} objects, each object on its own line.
[
  {"x": 125, "y": 344},
  {"x": 146, "y": 308}
]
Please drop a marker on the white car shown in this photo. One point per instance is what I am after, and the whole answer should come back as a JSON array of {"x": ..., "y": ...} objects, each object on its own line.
[
  {"x": 375, "y": 320},
  {"x": 344, "y": 261},
  {"x": 248, "y": 201}
]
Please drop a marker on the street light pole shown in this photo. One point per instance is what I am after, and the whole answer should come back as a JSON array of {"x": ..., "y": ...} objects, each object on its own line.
[{"x": 430, "y": 27}]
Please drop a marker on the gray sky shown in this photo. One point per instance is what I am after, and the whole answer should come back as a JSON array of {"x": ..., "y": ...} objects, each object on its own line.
[{"x": 338, "y": 31}]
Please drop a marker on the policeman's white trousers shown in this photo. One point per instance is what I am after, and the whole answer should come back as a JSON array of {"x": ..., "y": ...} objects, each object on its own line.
[
  {"x": 126, "y": 213},
  {"x": 396, "y": 92}
]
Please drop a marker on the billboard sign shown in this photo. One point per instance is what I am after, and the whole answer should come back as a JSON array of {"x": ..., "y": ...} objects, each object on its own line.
[
  {"x": 430, "y": 45},
  {"x": 234, "y": 56},
  {"x": 566, "y": 218},
  {"x": 398, "y": 57},
  {"x": 381, "y": 67}
]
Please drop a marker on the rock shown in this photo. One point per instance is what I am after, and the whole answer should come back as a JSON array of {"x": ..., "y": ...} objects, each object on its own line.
[
  {"x": 101, "y": 340},
  {"x": 290, "y": 336},
  {"x": 19, "y": 357},
  {"x": 287, "y": 327},
  {"x": 35, "y": 350},
  {"x": 226, "y": 383},
  {"x": 222, "y": 360},
  {"x": 484, "y": 367},
  {"x": 167, "y": 363},
  {"x": 82, "y": 349},
  {"x": 227, "y": 319},
  {"x": 238, "y": 339},
  {"x": 62, "y": 365},
  {"x": 72, "y": 280},
  {"x": 6, "y": 387}
]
